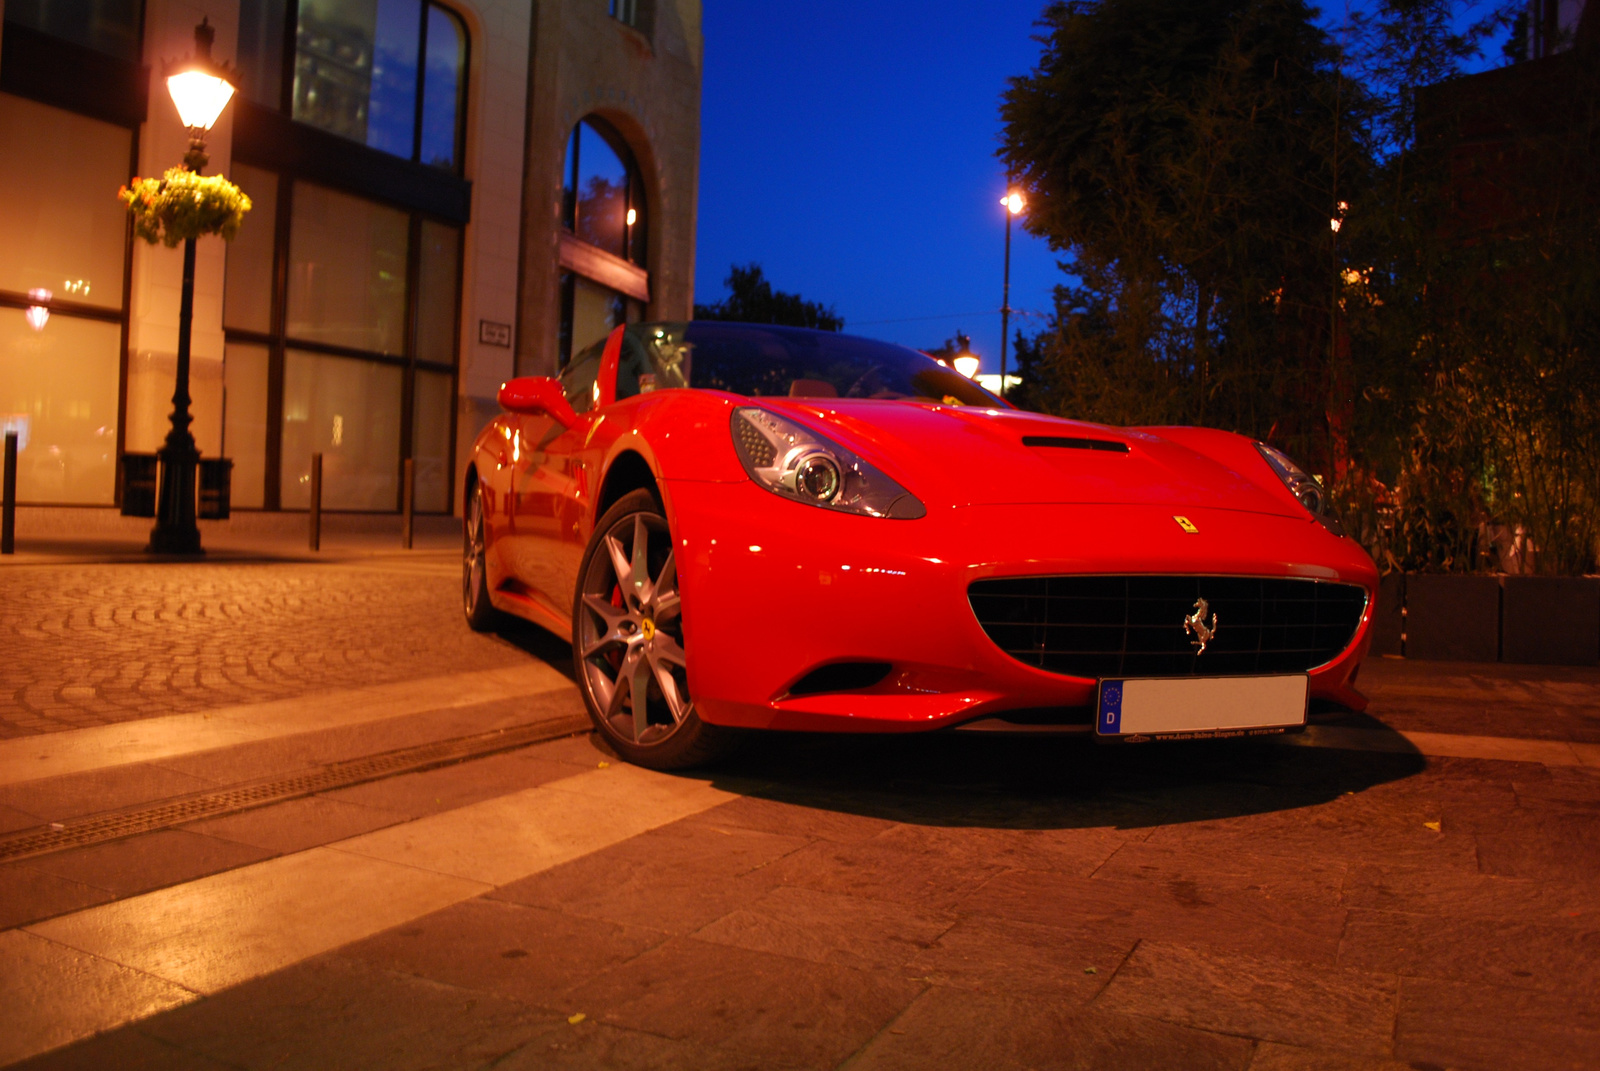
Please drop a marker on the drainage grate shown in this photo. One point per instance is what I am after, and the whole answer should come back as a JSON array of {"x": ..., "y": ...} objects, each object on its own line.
[{"x": 113, "y": 825}]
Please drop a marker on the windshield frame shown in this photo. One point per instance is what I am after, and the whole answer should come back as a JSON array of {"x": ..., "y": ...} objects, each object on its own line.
[{"x": 668, "y": 348}]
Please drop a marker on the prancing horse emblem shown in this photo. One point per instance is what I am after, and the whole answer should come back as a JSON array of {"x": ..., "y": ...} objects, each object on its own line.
[{"x": 1195, "y": 624}]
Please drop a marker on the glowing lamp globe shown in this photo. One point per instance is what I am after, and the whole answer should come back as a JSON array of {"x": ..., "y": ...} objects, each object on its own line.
[
  {"x": 967, "y": 365},
  {"x": 200, "y": 97}
]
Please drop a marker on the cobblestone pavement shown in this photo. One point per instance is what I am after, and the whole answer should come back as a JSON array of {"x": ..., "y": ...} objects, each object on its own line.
[{"x": 94, "y": 644}]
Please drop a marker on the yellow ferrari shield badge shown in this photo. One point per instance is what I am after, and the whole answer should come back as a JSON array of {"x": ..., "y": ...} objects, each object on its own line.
[{"x": 1186, "y": 524}]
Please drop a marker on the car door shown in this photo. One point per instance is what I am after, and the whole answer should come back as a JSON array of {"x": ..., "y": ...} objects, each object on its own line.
[{"x": 551, "y": 488}]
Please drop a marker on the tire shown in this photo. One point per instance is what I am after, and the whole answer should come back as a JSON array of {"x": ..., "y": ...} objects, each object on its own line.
[
  {"x": 480, "y": 612},
  {"x": 627, "y": 632}
]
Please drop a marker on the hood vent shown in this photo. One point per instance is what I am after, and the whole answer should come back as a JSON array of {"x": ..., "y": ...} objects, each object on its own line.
[{"x": 1063, "y": 443}]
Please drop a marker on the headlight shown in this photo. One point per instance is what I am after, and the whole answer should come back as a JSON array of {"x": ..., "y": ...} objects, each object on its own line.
[
  {"x": 795, "y": 462},
  {"x": 1302, "y": 486}
]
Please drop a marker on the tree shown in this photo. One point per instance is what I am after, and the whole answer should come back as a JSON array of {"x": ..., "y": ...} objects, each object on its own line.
[
  {"x": 751, "y": 299},
  {"x": 1339, "y": 244},
  {"x": 1187, "y": 155},
  {"x": 952, "y": 347}
]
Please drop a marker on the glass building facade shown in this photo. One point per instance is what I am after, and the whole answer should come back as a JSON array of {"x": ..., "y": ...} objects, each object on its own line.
[
  {"x": 341, "y": 302},
  {"x": 396, "y": 264}
]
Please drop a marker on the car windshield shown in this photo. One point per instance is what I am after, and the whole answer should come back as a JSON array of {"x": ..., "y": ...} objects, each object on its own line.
[{"x": 763, "y": 361}]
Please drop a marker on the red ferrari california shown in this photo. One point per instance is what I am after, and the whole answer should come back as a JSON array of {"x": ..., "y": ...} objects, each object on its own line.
[{"x": 751, "y": 527}]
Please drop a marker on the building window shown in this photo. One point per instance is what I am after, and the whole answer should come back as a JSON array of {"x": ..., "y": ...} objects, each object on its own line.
[
  {"x": 390, "y": 74},
  {"x": 636, "y": 13},
  {"x": 108, "y": 26},
  {"x": 355, "y": 348},
  {"x": 62, "y": 298},
  {"x": 603, "y": 210},
  {"x": 589, "y": 311},
  {"x": 602, "y": 200}
]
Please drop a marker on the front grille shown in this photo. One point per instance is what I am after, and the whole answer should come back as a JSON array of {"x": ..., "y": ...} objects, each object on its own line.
[{"x": 1132, "y": 626}]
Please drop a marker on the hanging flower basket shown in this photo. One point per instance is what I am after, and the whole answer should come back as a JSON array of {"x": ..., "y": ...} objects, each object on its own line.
[{"x": 182, "y": 205}]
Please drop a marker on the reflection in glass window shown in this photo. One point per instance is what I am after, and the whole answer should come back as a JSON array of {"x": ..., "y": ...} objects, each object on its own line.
[
  {"x": 603, "y": 197},
  {"x": 68, "y": 234},
  {"x": 437, "y": 271},
  {"x": 349, "y": 412},
  {"x": 244, "y": 384},
  {"x": 588, "y": 313},
  {"x": 247, "y": 296},
  {"x": 442, "y": 89},
  {"x": 356, "y": 74},
  {"x": 260, "y": 52},
  {"x": 640, "y": 14},
  {"x": 109, "y": 26},
  {"x": 579, "y": 376},
  {"x": 430, "y": 440},
  {"x": 347, "y": 271},
  {"x": 392, "y": 115},
  {"x": 58, "y": 391}
]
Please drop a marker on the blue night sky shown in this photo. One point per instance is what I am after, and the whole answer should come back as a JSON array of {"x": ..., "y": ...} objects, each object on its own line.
[{"x": 848, "y": 148}]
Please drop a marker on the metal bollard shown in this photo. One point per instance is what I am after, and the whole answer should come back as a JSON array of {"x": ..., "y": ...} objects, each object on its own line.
[
  {"x": 408, "y": 502},
  {"x": 316, "y": 501},
  {"x": 8, "y": 512}
]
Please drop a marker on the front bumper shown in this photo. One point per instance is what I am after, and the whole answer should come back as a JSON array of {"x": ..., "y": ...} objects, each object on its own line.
[{"x": 773, "y": 589}]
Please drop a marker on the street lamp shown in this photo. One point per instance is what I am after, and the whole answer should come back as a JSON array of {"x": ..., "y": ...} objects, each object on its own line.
[
  {"x": 966, "y": 364},
  {"x": 200, "y": 88},
  {"x": 1014, "y": 205}
]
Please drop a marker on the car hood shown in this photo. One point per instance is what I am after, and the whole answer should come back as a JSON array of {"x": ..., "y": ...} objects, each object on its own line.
[{"x": 964, "y": 456}]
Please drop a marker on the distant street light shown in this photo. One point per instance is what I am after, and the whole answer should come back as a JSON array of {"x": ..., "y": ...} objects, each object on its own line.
[
  {"x": 1014, "y": 205},
  {"x": 201, "y": 89},
  {"x": 967, "y": 364},
  {"x": 39, "y": 315}
]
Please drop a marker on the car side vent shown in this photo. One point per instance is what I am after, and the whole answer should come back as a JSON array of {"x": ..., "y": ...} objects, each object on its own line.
[
  {"x": 1064, "y": 443},
  {"x": 840, "y": 677}
]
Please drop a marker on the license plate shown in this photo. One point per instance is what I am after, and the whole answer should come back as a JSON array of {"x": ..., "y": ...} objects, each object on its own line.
[{"x": 1199, "y": 707}]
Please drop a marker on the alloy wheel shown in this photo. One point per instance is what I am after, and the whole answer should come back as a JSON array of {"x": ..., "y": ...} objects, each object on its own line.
[
  {"x": 473, "y": 581},
  {"x": 630, "y": 631}
]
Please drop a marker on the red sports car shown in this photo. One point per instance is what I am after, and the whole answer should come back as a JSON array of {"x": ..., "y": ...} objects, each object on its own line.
[{"x": 746, "y": 526}]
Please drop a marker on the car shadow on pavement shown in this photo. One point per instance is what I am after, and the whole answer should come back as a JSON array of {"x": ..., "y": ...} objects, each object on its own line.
[
  {"x": 529, "y": 638},
  {"x": 1010, "y": 781}
]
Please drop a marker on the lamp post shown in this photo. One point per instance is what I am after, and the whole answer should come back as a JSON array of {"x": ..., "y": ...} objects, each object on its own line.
[
  {"x": 1014, "y": 205},
  {"x": 201, "y": 89}
]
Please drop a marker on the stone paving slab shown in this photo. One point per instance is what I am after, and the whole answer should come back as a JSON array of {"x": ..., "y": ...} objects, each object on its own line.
[
  {"x": 1258, "y": 997},
  {"x": 711, "y": 943},
  {"x": 824, "y": 927},
  {"x": 781, "y": 1010},
  {"x": 948, "y": 1028},
  {"x": 1470, "y": 1026}
]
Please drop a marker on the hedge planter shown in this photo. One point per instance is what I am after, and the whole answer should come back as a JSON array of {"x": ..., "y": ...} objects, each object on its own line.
[
  {"x": 1388, "y": 615},
  {"x": 1453, "y": 618},
  {"x": 1550, "y": 619}
]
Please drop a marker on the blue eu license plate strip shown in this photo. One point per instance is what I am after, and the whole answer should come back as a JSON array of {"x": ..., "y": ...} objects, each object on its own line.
[{"x": 1108, "y": 722}]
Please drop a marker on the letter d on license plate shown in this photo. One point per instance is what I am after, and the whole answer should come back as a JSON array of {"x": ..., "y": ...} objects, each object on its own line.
[{"x": 1202, "y": 705}]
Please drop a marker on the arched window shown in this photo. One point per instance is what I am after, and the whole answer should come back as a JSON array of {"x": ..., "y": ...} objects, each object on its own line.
[
  {"x": 390, "y": 74},
  {"x": 603, "y": 199},
  {"x": 640, "y": 14},
  {"x": 602, "y": 209}
]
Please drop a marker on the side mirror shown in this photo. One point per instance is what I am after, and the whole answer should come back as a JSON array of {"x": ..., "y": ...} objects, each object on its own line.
[{"x": 537, "y": 396}]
